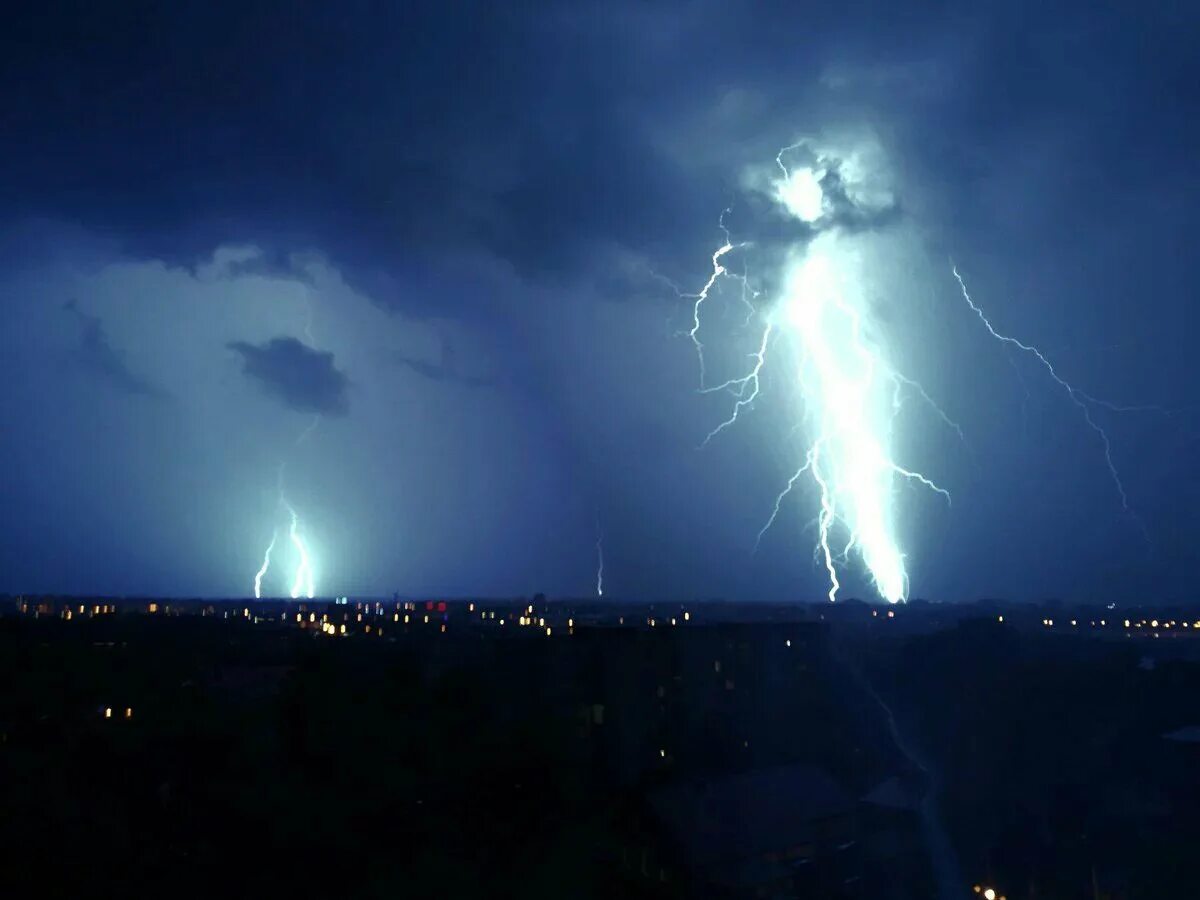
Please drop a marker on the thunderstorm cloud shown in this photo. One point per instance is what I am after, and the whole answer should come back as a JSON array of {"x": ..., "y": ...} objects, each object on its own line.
[
  {"x": 96, "y": 355},
  {"x": 304, "y": 379},
  {"x": 543, "y": 182}
]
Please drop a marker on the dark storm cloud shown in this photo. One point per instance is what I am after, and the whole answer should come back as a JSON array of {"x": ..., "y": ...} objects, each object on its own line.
[
  {"x": 97, "y": 356},
  {"x": 306, "y": 380},
  {"x": 387, "y": 134},
  {"x": 382, "y": 135}
]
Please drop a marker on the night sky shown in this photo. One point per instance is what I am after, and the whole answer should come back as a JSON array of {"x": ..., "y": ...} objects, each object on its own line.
[{"x": 448, "y": 233}]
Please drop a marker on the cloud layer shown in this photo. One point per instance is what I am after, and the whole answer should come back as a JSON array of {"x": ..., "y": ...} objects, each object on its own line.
[{"x": 97, "y": 356}]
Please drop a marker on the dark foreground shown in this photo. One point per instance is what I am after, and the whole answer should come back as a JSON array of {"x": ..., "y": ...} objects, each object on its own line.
[{"x": 572, "y": 752}]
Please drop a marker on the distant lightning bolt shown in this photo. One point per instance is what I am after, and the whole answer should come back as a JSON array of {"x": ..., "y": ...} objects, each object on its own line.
[
  {"x": 302, "y": 576},
  {"x": 1078, "y": 397},
  {"x": 303, "y": 580},
  {"x": 850, "y": 392},
  {"x": 599, "y": 559},
  {"x": 266, "y": 564}
]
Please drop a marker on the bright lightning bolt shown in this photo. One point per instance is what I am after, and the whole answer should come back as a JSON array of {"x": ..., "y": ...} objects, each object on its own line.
[
  {"x": 302, "y": 583},
  {"x": 302, "y": 574},
  {"x": 1078, "y": 397},
  {"x": 266, "y": 564},
  {"x": 849, "y": 390}
]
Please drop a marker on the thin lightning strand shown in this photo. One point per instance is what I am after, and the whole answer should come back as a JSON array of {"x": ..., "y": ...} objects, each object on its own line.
[
  {"x": 717, "y": 271},
  {"x": 740, "y": 385},
  {"x": 779, "y": 499},
  {"x": 700, "y": 297},
  {"x": 1078, "y": 397},
  {"x": 946, "y": 420}
]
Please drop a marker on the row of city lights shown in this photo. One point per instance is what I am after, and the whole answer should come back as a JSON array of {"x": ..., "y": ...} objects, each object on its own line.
[
  {"x": 1129, "y": 623},
  {"x": 528, "y": 618}
]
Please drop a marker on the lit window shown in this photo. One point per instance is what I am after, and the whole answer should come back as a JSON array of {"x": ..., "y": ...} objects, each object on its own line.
[
  {"x": 129, "y": 712},
  {"x": 108, "y": 712}
]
